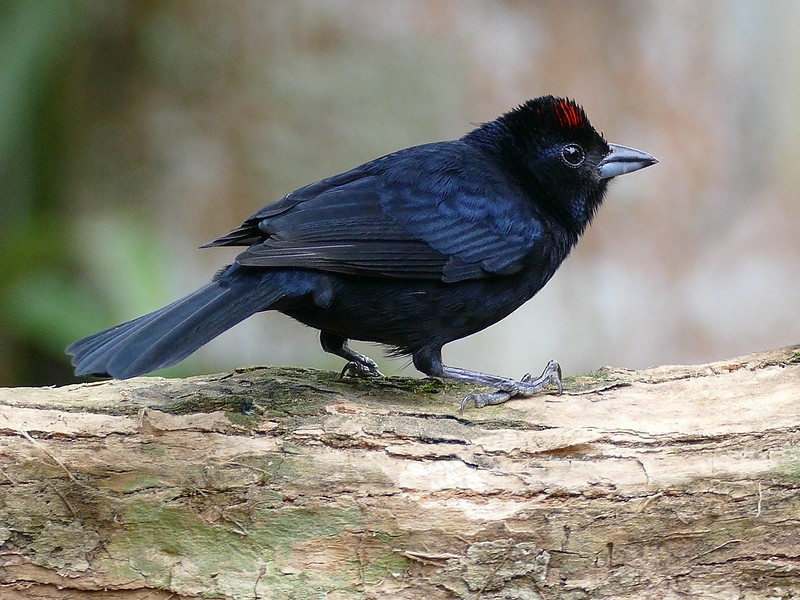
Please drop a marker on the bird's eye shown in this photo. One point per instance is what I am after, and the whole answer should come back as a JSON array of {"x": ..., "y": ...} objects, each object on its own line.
[{"x": 573, "y": 155}]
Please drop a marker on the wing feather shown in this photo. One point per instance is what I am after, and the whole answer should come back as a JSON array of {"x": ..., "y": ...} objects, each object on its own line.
[{"x": 414, "y": 214}]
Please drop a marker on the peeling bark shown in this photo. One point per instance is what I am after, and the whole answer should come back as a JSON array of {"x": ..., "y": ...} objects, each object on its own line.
[{"x": 287, "y": 483}]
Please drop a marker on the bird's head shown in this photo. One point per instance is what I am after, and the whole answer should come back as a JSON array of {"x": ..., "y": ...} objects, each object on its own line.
[{"x": 558, "y": 158}]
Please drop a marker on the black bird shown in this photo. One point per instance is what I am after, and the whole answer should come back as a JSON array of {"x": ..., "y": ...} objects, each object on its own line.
[{"x": 413, "y": 250}]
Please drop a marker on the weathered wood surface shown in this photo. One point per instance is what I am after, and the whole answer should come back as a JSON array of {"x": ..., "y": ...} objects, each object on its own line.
[{"x": 284, "y": 483}]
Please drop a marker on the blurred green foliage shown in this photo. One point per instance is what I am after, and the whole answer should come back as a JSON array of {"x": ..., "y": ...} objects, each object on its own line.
[
  {"x": 56, "y": 284},
  {"x": 35, "y": 253}
]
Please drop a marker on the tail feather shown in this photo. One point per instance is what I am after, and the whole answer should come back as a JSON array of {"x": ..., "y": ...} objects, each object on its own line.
[{"x": 170, "y": 334}]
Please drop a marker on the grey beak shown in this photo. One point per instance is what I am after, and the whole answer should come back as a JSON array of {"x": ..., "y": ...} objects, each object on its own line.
[{"x": 621, "y": 160}]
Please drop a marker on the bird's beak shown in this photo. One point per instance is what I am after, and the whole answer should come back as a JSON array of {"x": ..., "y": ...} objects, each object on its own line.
[{"x": 621, "y": 160}]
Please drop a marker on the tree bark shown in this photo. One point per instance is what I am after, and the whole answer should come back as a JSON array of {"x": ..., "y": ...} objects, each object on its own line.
[{"x": 287, "y": 483}]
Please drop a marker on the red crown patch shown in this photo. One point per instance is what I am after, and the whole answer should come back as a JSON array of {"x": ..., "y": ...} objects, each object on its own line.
[{"x": 569, "y": 114}]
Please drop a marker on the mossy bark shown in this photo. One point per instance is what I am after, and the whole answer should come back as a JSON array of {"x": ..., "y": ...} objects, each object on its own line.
[{"x": 287, "y": 483}]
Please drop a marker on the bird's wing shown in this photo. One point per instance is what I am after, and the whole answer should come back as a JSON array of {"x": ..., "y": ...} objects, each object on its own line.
[{"x": 370, "y": 222}]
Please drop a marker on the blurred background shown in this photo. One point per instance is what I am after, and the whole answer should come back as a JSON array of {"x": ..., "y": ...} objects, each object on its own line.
[{"x": 132, "y": 132}]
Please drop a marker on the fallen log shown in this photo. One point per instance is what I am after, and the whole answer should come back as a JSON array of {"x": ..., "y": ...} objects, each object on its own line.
[{"x": 288, "y": 483}]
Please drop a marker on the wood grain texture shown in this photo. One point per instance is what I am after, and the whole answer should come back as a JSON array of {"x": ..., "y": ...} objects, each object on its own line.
[{"x": 676, "y": 481}]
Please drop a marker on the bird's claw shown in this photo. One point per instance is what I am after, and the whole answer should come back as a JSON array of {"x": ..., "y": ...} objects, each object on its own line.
[
  {"x": 481, "y": 399},
  {"x": 524, "y": 388},
  {"x": 368, "y": 368}
]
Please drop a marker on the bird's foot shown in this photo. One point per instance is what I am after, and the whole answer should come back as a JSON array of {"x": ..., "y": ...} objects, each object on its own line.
[
  {"x": 364, "y": 367},
  {"x": 524, "y": 388}
]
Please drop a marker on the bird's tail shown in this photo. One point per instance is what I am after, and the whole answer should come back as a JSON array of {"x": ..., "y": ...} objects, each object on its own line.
[{"x": 170, "y": 334}]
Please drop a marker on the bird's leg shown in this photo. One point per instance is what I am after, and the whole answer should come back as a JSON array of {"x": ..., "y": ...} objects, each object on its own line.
[
  {"x": 430, "y": 363},
  {"x": 506, "y": 388},
  {"x": 358, "y": 365}
]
